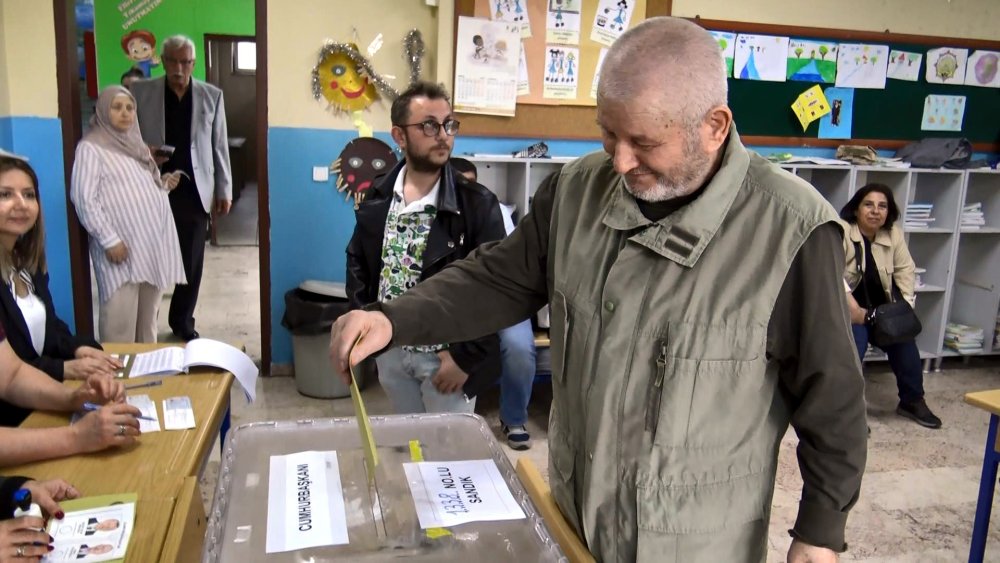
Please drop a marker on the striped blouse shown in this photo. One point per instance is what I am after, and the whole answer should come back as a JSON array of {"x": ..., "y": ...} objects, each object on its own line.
[{"x": 118, "y": 201}]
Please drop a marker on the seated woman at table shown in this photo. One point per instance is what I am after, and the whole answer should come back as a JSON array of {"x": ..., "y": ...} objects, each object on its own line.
[
  {"x": 27, "y": 314},
  {"x": 114, "y": 424},
  {"x": 23, "y": 537}
]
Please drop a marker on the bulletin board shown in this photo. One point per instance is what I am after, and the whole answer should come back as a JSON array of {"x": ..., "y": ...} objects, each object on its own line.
[
  {"x": 535, "y": 46},
  {"x": 546, "y": 120}
]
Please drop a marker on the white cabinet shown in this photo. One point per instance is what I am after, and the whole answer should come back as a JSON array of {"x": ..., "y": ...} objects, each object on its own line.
[
  {"x": 515, "y": 180},
  {"x": 832, "y": 182}
]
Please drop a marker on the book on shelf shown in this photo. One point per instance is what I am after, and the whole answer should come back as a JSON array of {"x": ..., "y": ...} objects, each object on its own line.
[{"x": 962, "y": 338}]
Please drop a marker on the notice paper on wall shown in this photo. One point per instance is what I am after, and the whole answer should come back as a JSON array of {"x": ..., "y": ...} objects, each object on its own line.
[
  {"x": 305, "y": 502},
  {"x": 448, "y": 493}
]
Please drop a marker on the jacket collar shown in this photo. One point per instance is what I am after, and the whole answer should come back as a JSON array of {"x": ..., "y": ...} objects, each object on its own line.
[
  {"x": 683, "y": 235},
  {"x": 447, "y": 199},
  {"x": 883, "y": 237}
]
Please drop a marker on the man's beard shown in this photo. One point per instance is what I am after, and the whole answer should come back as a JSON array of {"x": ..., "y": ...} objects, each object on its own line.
[
  {"x": 423, "y": 163},
  {"x": 681, "y": 180}
]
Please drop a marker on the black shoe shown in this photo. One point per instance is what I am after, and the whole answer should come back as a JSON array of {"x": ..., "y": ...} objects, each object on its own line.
[
  {"x": 187, "y": 336},
  {"x": 918, "y": 412}
]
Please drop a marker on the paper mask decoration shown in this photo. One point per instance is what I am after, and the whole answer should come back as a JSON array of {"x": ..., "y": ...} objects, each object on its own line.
[
  {"x": 812, "y": 61},
  {"x": 727, "y": 43},
  {"x": 346, "y": 80},
  {"x": 943, "y": 113},
  {"x": 760, "y": 57},
  {"x": 904, "y": 65},
  {"x": 838, "y": 123},
  {"x": 862, "y": 66},
  {"x": 946, "y": 65},
  {"x": 982, "y": 69},
  {"x": 810, "y": 106},
  {"x": 359, "y": 163}
]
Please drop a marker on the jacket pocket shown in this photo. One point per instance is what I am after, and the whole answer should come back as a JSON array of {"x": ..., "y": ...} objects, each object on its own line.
[
  {"x": 655, "y": 392},
  {"x": 560, "y": 325}
]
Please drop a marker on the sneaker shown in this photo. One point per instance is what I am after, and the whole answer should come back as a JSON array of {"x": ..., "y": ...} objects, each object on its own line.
[
  {"x": 920, "y": 413},
  {"x": 517, "y": 437}
]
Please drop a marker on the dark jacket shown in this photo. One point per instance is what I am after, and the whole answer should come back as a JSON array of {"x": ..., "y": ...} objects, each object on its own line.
[
  {"x": 468, "y": 215},
  {"x": 9, "y": 486},
  {"x": 60, "y": 344}
]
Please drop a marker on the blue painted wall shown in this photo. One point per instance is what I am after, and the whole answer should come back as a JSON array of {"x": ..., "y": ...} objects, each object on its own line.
[{"x": 40, "y": 140}]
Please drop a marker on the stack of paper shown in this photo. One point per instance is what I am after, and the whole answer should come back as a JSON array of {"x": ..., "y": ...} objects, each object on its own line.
[
  {"x": 963, "y": 339},
  {"x": 919, "y": 282},
  {"x": 918, "y": 215},
  {"x": 972, "y": 216}
]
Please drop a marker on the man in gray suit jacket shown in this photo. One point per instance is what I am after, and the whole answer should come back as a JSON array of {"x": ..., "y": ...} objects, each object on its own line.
[{"x": 187, "y": 116}]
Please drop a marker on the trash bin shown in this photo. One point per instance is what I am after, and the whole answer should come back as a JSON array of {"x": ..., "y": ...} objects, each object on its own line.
[{"x": 310, "y": 309}]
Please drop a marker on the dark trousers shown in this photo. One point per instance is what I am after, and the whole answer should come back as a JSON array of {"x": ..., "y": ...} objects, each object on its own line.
[
  {"x": 192, "y": 228},
  {"x": 904, "y": 359}
]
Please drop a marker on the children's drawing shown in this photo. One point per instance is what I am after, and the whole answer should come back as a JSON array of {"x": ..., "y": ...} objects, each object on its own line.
[
  {"x": 811, "y": 61},
  {"x": 611, "y": 20},
  {"x": 943, "y": 113},
  {"x": 946, "y": 65},
  {"x": 904, "y": 65},
  {"x": 860, "y": 65},
  {"x": 562, "y": 23},
  {"x": 727, "y": 43},
  {"x": 982, "y": 69},
  {"x": 514, "y": 12},
  {"x": 810, "y": 106},
  {"x": 760, "y": 57},
  {"x": 597, "y": 72},
  {"x": 838, "y": 123},
  {"x": 561, "y": 72}
]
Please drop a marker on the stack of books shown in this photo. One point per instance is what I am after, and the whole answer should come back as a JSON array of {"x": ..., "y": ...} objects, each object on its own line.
[
  {"x": 919, "y": 282},
  {"x": 996, "y": 333},
  {"x": 972, "y": 216},
  {"x": 963, "y": 339},
  {"x": 918, "y": 215}
]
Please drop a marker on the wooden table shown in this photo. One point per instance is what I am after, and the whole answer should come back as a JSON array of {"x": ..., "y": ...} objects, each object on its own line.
[
  {"x": 160, "y": 467},
  {"x": 989, "y": 401}
]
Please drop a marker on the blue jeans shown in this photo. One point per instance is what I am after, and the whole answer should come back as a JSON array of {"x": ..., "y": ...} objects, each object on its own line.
[
  {"x": 406, "y": 378},
  {"x": 904, "y": 359},
  {"x": 517, "y": 365}
]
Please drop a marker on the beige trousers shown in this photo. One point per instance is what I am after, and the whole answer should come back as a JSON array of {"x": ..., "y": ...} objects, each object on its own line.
[{"x": 129, "y": 315}]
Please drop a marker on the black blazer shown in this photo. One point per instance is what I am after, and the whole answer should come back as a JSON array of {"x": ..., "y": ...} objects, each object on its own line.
[
  {"x": 60, "y": 344},
  {"x": 468, "y": 215}
]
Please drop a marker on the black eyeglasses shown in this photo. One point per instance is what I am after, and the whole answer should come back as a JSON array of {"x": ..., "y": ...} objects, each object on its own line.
[{"x": 431, "y": 127}]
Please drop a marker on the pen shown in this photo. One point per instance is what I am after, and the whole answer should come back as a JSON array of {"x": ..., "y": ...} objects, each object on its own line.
[
  {"x": 141, "y": 385},
  {"x": 94, "y": 407}
]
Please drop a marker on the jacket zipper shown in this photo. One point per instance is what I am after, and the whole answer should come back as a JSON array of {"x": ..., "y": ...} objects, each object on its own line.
[
  {"x": 656, "y": 392},
  {"x": 566, "y": 333}
]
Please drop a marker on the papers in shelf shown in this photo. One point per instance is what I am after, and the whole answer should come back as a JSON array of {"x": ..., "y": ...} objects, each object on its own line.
[
  {"x": 963, "y": 339},
  {"x": 972, "y": 216},
  {"x": 918, "y": 215}
]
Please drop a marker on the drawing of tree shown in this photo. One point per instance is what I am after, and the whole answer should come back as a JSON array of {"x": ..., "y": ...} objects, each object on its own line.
[
  {"x": 722, "y": 44},
  {"x": 798, "y": 52},
  {"x": 874, "y": 59},
  {"x": 823, "y": 50}
]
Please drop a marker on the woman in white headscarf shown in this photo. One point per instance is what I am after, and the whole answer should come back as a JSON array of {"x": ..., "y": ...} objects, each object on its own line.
[{"x": 121, "y": 199}]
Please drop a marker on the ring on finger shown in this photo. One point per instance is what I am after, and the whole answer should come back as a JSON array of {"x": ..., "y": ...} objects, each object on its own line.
[
  {"x": 20, "y": 551},
  {"x": 121, "y": 429}
]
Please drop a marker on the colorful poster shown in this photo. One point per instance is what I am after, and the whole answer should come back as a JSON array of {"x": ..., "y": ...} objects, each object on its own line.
[
  {"x": 810, "y": 106},
  {"x": 727, "y": 43},
  {"x": 597, "y": 72},
  {"x": 513, "y": 12},
  {"x": 486, "y": 69},
  {"x": 812, "y": 61},
  {"x": 837, "y": 123},
  {"x": 611, "y": 20},
  {"x": 943, "y": 113},
  {"x": 860, "y": 65},
  {"x": 562, "y": 22},
  {"x": 904, "y": 65},
  {"x": 946, "y": 65},
  {"x": 982, "y": 69},
  {"x": 561, "y": 72},
  {"x": 760, "y": 57},
  {"x": 523, "y": 84}
]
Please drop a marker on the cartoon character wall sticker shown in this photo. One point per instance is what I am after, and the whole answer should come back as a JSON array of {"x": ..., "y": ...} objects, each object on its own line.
[{"x": 140, "y": 48}]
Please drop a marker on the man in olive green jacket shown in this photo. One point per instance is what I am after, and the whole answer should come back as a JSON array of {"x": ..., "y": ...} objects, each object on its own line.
[{"x": 697, "y": 308}]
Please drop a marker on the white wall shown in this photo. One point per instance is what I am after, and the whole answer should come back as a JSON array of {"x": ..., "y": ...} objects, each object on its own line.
[
  {"x": 296, "y": 32},
  {"x": 28, "y": 59},
  {"x": 971, "y": 19}
]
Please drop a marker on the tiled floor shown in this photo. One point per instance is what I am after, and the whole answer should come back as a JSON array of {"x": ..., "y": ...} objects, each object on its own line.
[{"x": 917, "y": 500}]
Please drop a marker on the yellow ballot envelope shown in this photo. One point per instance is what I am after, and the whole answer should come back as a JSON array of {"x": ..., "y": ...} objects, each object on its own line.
[
  {"x": 810, "y": 106},
  {"x": 364, "y": 425}
]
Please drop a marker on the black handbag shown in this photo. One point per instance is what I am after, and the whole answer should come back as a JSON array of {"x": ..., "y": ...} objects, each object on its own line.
[{"x": 889, "y": 323}]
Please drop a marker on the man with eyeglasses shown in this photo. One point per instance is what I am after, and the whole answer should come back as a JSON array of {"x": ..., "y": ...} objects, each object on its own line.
[
  {"x": 420, "y": 217},
  {"x": 183, "y": 120}
]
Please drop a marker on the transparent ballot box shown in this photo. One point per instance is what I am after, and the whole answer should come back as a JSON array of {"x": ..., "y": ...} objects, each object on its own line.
[{"x": 381, "y": 519}]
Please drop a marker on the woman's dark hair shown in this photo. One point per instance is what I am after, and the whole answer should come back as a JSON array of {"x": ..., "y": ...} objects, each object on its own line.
[
  {"x": 29, "y": 250},
  {"x": 849, "y": 211}
]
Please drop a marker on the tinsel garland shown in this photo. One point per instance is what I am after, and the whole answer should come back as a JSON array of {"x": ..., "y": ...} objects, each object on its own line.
[
  {"x": 413, "y": 47},
  {"x": 363, "y": 65}
]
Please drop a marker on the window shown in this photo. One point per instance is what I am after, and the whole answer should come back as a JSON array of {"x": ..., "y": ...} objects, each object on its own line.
[{"x": 245, "y": 59}]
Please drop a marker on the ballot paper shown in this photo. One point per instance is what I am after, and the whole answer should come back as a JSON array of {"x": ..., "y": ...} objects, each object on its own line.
[
  {"x": 177, "y": 413},
  {"x": 448, "y": 493},
  {"x": 305, "y": 502},
  {"x": 198, "y": 352},
  {"x": 148, "y": 408},
  {"x": 92, "y": 534}
]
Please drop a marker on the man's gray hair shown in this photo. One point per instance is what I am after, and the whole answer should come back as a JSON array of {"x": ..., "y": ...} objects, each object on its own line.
[
  {"x": 670, "y": 63},
  {"x": 175, "y": 42}
]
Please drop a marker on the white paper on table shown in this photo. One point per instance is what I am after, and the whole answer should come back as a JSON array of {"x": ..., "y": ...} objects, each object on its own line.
[
  {"x": 96, "y": 534},
  {"x": 448, "y": 493},
  {"x": 860, "y": 65},
  {"x": 946, "y": 65},
  {"x": 207, "y": 352},
  {"x": 158, "y": 362},
  {"x": 760, "y": 57},
  {"x": 148, "y": 408},
  {"x": 177, "y": 413},
  {"x": 305, "y": 502}
]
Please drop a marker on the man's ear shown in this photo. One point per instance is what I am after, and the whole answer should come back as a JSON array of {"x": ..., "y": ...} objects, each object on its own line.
[
  {"x": 716, "y": 126},
  {"x": 398, "y": 136}
]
